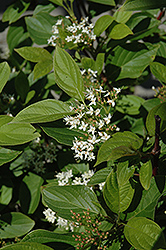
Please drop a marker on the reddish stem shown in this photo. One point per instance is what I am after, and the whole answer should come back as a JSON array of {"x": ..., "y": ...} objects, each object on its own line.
[{"x": 156, "y": 150}]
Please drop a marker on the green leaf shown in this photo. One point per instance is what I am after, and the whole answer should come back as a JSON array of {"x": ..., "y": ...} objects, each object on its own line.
[
  {"x": 159, "y": 71},
  {"x": 100, "y": 176},
  {"x": 43, "y": 111},
  {"x": 119, "y": 31},
  {"x": 15, "y": 224},
  {"x": 22, "y": 85},
  {"x": 15, "y": 134},
  {"x": 68, "y": 75},
  {"x": 88, "y": 63},
  {"x": 46, "y": 8},
  {"x": 107, "y": 2},
  {"x": 4, "y": 74},
  {"x": 151, "y": 103},
  {"x": 145, "y": 174},
  {"x": 7, "y": 155},
  {"x": 128, "y": 62},
  {"x": 150, "y": 120},
  {"x": 146, "y": 206},
  {"x": 126, "y": 139},
  {"x": 42, "y": 68},
  {"x": 63, "y": 199},
  {"x": 34, "y": 54},
  {"x": 58, "y": 2},
  {"x": 117, "y": 196},
  {"x": 29, "y": 193},
  {"x": 6, "y": 191},
  {"x": 27, "y": 246},
  {"x": 102, "y": 24},
  {"x": 129, "y": 104},
  {"x": 44, "y": 236},
  {"x": 16, "y": 34},
  {"x": 99, "y": 62},
  {"x": 60, "y": 133},
  {"x": 124, "y": 172},
  {"x": 14, "y": 11},
  {"x": 122, "y": 16},
  {"x": 40, "y": 27},
  {"x": 144, "y": 234},
  {"x": 143, "y": 4}
]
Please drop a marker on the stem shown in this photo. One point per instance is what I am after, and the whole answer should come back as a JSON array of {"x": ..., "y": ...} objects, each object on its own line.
[{"x": 156, "y": 150}]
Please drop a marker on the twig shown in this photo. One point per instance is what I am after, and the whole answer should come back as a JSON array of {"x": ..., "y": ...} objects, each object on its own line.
[{"x": 156, "y": 150}]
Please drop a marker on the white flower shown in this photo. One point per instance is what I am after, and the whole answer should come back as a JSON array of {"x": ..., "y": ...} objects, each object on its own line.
[
  {"x": 60, "y": 176},
  {"x": 83, "y": 71},
  {"x": 118, "y": 90},
  {"x": 93, "y": 140},
  {"x": 112, "y": 102},
  {"x": 83, "y": 126},
  {"x": 97, "y": 112},
  {"x": 80, "y": 115},
  {"x": 94, "y": 73},
  {"x": 104, "y": 136},
  {"x": 79, "y": 155},
  {"x": 50, "y": 215},
  {"x": 100, "y": 90},
  {"x": 77, "y": 181},
  {"x": 87, "y": 175},
  {"x": 59, "y": 22},
  {"x": 101, "y": 185},
  {"x": 108, "y": 93},
  {"x": 93, "y": 101},
  {"x": 62, "y": 222},
  {"x": 107, "y": 119},
  {"x": 117, "y": 129},
  {"x": 69, "y": 38},
  {"x": 91, "y": 129},
  {"x": 90, "y": 111},
  {"x": 100, "y": 124},
  {"x": 91, "y": 156}
]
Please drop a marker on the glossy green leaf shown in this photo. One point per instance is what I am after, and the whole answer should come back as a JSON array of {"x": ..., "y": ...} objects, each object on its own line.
[
  {"x": 144, "y": 234},
  {"x": 7, "y": 155},
  {"x": 43, "y": 111},
  {"x": 34, "y": 54},
  {"x": 146, "y": 206},
  {"x": 29, "y": 194},
  {"x": 68, "y": 75},
  {"x": 117, "y": 196},
  {"x": 62, "y": 135},
  {"x": 143, "y": 4},
  {"x": 58, "y": 2},
  {"x": 129, "y": 104},
  {"x": 151, "y": 103},
  {"x": 4, "y": 74},
  {"x": 100, "y": 176},
  {"x": 99, "y": 62},
  {"x": 21, "y": 85},
  {"x": 14, "y": 11},
  {"x": 40, "y": 27},
  {"x": 102, "y": 24},
  {"x": 47, "y": 8},
  {"x": 27, "y": 246},
  {"x": 129, "y": 63},
  {"x": 44, "y": 236},
  {"x": 119, "y": 31},
  {"x": 6, "y": 190},
  {"x": 42, "y": 68},
  {"x": 122, "y": 16},
  {"x": 150, "y": 120},
  {"x": 124, "y": 172},
  {"x": 16, "y": 34},
  {"x": 159, "y": 71},
  {"x": 63, "y": 199},
  {"x": 107, "y": 2},
  {"x": 145, "y": 174},
  {"x": 126, "y": 139},
  {"x": 15, "y": 134},
  {"x": 88, "y": 63},
  {"x": 15, "y": 224}
]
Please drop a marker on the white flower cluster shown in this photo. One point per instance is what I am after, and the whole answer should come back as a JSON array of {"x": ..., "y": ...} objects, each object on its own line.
[
  {"x": 93, "y": 121},
  {"x": 77, "y": 33},
  {"x": 65, "y": 178},
  {"x": 60, "y": 222}
]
